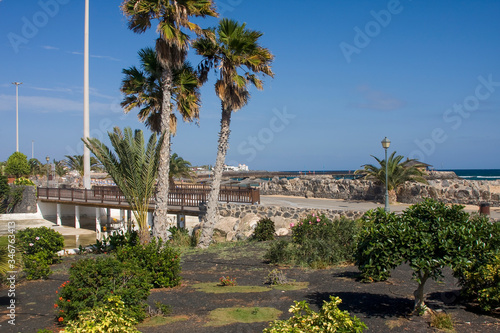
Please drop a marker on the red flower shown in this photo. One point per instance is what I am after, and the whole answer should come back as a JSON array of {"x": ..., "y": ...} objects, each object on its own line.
[
  {"x": 60, "y": 298},
  {"x": 61, "y": 319},
  {"x": 69, "y": 300},
  {"x": 55, "y": 306}
]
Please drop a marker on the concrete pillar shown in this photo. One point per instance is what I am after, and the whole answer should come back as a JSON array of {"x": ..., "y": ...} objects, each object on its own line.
[
  {"x": 77, "y": 217},
  {"x": 98, "y": 223},
  {"x": 58, "y": 215},
  {"x": 123, "y": 225}
]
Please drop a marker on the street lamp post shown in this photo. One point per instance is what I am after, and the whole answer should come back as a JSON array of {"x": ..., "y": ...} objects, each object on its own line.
[
  {"x": 17, "y": 114},
  {"x": 385, "y": 144},
  {"x": 47, "y": 159}
]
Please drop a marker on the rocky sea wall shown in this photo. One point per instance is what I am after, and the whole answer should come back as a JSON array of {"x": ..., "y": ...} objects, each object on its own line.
[{"x": 443, "y": 186}]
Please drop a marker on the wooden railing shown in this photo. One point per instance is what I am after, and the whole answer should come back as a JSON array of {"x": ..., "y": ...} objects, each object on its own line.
[{"x": 181, "y": 195}]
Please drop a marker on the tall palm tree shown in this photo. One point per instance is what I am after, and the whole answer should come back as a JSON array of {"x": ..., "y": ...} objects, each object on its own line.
[
  {"x": 179, "y": 167},
  {"x": 133, "y": 167},
  {"x": 75, "y": 162},
  {"x": 398, "y": 171},
  {"x": 36, "y": 167},
  {"x": 233, "y": 51},
  {"x": 142, "y": 89},
  {"x": 171, "y": 48}
]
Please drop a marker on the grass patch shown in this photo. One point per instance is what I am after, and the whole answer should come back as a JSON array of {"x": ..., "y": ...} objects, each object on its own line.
[
  {"x": 392, "y": 324},
  {"x": 214, "y": 288},
  {"x": 227, "y": 316},
  {"x": 160, "y": 321},
  {"x": 442, "y": 321}
]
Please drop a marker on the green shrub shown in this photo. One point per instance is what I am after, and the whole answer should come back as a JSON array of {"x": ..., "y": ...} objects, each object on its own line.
[
  {"x": 17, "y": 165},
  {"x": 276, "y": 278},
  {"x": 329, "y": 319},
  {"x": 316, "y": 242},
  {"x": 92, "y": 281},
  {"x": 226, "y": 281},
  {"x": 120, "y": 239},
  {"x": 39, "y": 247},
  {"x": 110, "y": 316},
  {"x": 23, "y": 181},
  {"x": 179, "y": 237},
  {"x": 160, "y": 261},
  {"x": 42, "y": 239},
  {"x": 264, "y": 230}
]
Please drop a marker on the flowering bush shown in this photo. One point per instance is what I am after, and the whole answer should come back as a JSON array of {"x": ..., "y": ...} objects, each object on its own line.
[
  {"x": 316, "y": 242},
  {"x": 225, "y": 281},
  {"x": 39, "y": 247},
  {"x": 329, "y": 319},
  {"x": 93, "y": 281}
]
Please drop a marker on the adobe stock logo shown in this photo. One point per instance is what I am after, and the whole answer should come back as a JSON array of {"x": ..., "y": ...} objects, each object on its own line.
[
  {"x": 31, "y": 27},
  {"x": 455, "y": 116},
  {"x": 258, "y": 142},
  {"x": 372, "y": 29}
]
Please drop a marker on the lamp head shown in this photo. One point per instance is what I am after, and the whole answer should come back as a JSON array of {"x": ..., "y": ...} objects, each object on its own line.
[{"x": 386, "y": 143}]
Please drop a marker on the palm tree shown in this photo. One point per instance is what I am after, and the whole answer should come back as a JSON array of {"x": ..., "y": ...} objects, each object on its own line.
[
  {"x": 179, "y": 167},
  {"x": 235, "y": 53},
  {"x": 36, "y": 167},
  {"x": 75, "y": 162},
  {"x": 61, "y": 168},
  {"x": 397, "y": 172},
  {"x": 142, "y": 89},
  {"x": 133, "y": 167},
  {"x": 171, "y": 49}
]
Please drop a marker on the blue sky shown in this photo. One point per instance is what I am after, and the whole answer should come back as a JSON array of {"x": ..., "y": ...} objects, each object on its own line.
[{"x": 347, "y": 73}]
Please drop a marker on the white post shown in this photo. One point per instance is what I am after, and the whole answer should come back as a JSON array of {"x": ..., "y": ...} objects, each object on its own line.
[
  {"x": 86, "y": 121},
  {"x": 123, "y": 224},
  {"x": 77, "y": 217},
  {"x": 98, "y": 223},
  {"x": 58, "y": 215},
  {"x": 17, "y": 114}
]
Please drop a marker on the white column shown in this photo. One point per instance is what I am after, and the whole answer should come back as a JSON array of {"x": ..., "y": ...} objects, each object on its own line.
[
  {"x": 86, "y": 100},
  {"x": 58, "y": 215},
  {"x": 123, "y": 224},
  {"x": 77, "y": 217},
  {"x": 98, "y": 223}
]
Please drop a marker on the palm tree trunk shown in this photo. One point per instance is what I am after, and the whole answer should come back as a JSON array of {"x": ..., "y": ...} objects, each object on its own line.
[
  {"x": 160, "y": 220},
  {"x": 210, "y": 218}
]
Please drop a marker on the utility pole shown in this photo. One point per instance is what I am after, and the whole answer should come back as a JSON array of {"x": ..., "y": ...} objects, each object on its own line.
[
  {"x": 86, "y": 121},
  {"x": 17, "y": 114}
]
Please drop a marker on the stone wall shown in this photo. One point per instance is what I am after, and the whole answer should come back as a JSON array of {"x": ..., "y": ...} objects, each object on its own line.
[
  {"x": 443, "y": 187},
  {"x": 238, "y": 221},
  {"x": 28, "y": 202}
]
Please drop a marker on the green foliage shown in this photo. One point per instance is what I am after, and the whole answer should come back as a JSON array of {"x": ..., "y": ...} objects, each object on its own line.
[
  {"x": 93, "y": 281},
  {"x": 264, "y": 230},
  {"x": 160, "y": 262},
  {"x": 133, "y": 167},
  {"x": 480, "y": 282},
  {"x": 17, "y": 165},
  {"x": 4, "y": 193},
  {"x": 179, "y": 168},
  {"x": 179, "y": 237},
  {"x": 329, "y": 319},
  {"x": 110, "y": 316},
  {"x": 225, "y": 281},
  {"x": 276, "y": 278},
  {"x": 23, "y": 181},
  {"x": 39, "y": 247},
  {"x": 316, "y": 242},
  {"x": 442, "y": 321},
  {"x": 428, "y": 236},
  {"x": 397, "y": 172}
]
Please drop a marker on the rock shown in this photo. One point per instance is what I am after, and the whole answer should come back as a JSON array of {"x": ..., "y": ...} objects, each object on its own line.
[
  {"x": 282, "y": 232},
  {"x": 309, "y": 194}
]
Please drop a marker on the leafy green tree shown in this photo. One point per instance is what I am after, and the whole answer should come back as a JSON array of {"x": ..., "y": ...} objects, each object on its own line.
[
  {"x": 179, "y": 167},
  {"x": 133, "y": 167},
  {"x": 17, "y": 165},
  {"x": 234, "y": 51},
  {"x": 173, "y": 18},
  {"x": 428, "y": 236}
]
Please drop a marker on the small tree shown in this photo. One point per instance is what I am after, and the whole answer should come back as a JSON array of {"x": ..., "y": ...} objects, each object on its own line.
[
  {"x": 428, "y": 236},
  {"x": 17, "y": 165}
]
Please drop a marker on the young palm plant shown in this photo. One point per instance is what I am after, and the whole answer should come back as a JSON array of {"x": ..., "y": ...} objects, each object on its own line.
[
  {"x": 173, "y": 18},
  {"x": 179, "y": 167},
  {"x": 398, "y": 171},
  {"x": 233, "y": 51},
  {"x": 133, "y": 167}
]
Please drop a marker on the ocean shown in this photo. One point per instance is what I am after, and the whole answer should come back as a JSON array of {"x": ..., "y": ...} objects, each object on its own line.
[{"x": 477, "y": 174}]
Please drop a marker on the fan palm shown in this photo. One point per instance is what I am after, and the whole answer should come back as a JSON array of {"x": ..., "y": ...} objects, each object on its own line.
[
  {"x": 142, "y": 89},
  {"x": 234, "y": 51},
  {"x": 398, "y": 172},
  {"x": 171, "y": 49},
  {"x": 133, "y": 167}
]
